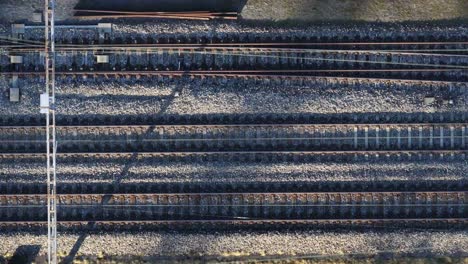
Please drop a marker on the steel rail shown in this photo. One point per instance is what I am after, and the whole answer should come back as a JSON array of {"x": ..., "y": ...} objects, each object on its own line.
[
  {"x": 231, "y": 72},
  {"x": 171, "y": 74},
  {"x": 373, "y": 199},
  {"x": 116, "y": 202},
  {"x": 208, "y": 194},
  {"x": 240, "y": 221},
  {"x": 152, "y": 49},
  {"x": 105, "y": 128},
  {"x": 201, "y": 153},
  {"x": 282, "y": 125},
  {"x": 224, "y": 139},
  {"x": 263, "y": 44}
]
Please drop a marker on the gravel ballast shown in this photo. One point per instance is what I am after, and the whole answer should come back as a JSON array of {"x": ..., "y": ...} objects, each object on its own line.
[
  {"x": 183, "y": 97},
  {"x": 153, "y": 244},
  {"x": 146, "y": 171}
]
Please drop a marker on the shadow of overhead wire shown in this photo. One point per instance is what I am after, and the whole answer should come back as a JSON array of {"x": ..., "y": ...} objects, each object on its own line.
[
  {"x": 116, "y": 181},
  {"x": 76, "y": 247}
]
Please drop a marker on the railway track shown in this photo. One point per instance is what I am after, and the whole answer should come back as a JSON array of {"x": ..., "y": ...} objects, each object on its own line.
[
  {"x": 244, "y": 50},
  {"x": 296, "y": 156},
  {"x": 449, "y": 76},
  {"x": 324, "y": 138},
  {"x": 301, "y": 58},
  {"x": 243, "y": 208},
  {"x": 130, "y": 45},
  {"x": 257, "y": 224},
  {"x": 249, "y": 59},
  {"x": 143, "y": 42},
  {"x": 232, "y": 58},
  {"x": 244, "y": 119}
]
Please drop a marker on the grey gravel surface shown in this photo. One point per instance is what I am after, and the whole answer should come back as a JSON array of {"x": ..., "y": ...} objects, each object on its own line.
[
  {"x": 252, "y": 243},
  {"x": 255, "y": 98},
  {"x": 237, "y": 97},
  {"x": 30, "y": 94},
  {"x": 223, "y": 29},
  {"x": 145, "y": 170}
]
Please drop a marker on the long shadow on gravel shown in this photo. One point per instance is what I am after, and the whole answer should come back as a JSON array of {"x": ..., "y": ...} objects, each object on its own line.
[
  {"x": 125, "y": 170},
  {"x": 76, "y": 247},
  {"x": 117, "y": 180}
]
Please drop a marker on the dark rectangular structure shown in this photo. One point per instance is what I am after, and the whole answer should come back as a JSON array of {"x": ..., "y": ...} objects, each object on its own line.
[{"x": 163, "y": 5}]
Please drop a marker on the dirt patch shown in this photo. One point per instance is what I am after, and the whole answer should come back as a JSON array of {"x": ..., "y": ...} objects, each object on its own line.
[
  {"x": 279, "y": 10},
  {"x": 21, "y": 10},
  {"x": 362, "y": 10}
]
